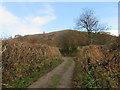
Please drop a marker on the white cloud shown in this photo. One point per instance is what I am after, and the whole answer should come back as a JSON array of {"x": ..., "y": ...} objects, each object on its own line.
[
  {"x": 113, "y": 32},
  {"x": 11, "y": 24}
]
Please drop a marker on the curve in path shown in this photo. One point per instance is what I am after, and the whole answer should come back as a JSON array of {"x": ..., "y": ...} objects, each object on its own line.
[{"x": 60, "y": 77}]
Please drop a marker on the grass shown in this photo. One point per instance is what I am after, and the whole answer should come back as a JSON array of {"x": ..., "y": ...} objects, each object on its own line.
[
  {"x": 84, "y": 79},
  {"x": 55, "y": 80},
  {"x": 27, "y": 80},
  {"x": 74, "y": 57},
  {"x": 94, "y": 78}
]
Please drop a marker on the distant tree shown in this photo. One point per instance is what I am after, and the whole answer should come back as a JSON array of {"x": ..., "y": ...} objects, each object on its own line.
[{"x": 89, "y": 22}]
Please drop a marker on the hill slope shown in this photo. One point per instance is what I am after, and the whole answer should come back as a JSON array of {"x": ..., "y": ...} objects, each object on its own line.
[{"x": 67, "y": 39}]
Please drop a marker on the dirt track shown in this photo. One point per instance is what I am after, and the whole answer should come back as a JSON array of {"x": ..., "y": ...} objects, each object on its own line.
[{"x": 60, "y": 77}]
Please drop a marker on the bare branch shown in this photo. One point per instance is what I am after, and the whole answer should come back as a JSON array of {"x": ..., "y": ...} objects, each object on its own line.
[{"x": 89, "y": 22}]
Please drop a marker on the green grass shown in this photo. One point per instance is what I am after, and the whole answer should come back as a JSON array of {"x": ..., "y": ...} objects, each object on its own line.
[
  {"x": 80, "y": 47},
  {"x": 55, "y": 80},
  {"x": 84, "y": 79},
  {"x": 94, "y": 77},
  {"x": 74, "y": 57},
  {"x": 27, "y": 80}
]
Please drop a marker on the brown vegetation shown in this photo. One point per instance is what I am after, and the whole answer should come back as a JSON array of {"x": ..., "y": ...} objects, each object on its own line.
[
  {"x": 102, "y": 64},
  {"x": 68, "y": 40},
  {"x": 74, "y": 37},
  {"x": 21, "y": 59},
  {"x": 35, "y": 53}
]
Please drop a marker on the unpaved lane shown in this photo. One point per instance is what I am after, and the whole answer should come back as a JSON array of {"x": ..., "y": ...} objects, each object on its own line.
[
  {"x": 60, "y": 77},
  {"x": 66, "y": 80}
]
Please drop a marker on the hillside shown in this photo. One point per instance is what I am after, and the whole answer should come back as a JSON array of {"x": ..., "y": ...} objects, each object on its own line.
[
  {"x": 51, "y": 38},
  {"x": 67, "y": 40}
]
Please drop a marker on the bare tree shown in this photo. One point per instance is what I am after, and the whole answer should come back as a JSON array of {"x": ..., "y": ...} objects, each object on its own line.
[{"x": 89, "y": 22}]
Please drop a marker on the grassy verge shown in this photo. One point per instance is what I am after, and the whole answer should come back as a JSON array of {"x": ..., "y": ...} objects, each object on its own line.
[
  {"x": 83, "y": 79},
  {"x": 93, "y": 78},
  {"x": 27, "y": 80}
]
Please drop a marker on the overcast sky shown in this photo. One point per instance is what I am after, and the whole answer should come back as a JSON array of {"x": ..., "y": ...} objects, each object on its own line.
[{"x": 37, "y": 17}]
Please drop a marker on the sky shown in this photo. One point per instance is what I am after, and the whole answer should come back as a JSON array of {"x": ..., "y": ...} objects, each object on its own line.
[{"x": 37, "y": 17}]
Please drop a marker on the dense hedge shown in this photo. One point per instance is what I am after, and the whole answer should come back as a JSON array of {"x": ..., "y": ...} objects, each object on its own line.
[
  {"x": 98, "y": 66},
  {"x": 21, "y": 59}
]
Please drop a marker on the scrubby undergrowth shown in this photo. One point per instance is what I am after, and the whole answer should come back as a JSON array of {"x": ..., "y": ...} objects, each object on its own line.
[
  {"x": 23, "y": 62},
  {"x": 98, "y": 66}
]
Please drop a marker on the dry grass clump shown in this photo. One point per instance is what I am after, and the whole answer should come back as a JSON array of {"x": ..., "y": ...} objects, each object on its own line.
[
  {"x": 21, "y": 59},
  {"x": 102, "y": 64}
]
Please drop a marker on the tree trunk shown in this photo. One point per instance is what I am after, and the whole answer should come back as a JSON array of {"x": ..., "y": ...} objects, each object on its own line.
[{"x": 90, "y": 38}]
